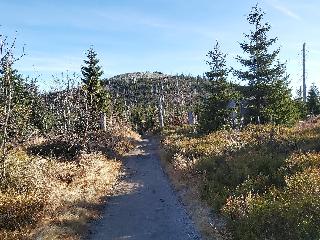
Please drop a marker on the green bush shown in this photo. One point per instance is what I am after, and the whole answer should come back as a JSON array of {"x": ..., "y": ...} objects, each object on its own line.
[
  {"x": 293, "y": 213},
  {"x": 238, "y": 173},
  {"x": 264, "y": 179}
]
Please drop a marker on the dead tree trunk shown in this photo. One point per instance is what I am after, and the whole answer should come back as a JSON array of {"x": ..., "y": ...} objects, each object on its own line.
[
  {"x": 7, "y": 88},
  {"x": 161, "y": 111},
  {"x": 103, "y": 121}
]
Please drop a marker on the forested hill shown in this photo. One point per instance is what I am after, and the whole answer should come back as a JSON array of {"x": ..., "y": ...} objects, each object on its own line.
[{"x": 140, "y": 96}]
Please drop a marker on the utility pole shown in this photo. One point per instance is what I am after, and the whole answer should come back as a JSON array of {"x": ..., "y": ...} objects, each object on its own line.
[{"x": 304, "y": 88}]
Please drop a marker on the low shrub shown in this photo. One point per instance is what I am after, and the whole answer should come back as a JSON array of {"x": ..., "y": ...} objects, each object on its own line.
[
  {"x": 52, "y": 189},
  {"x": 264, "y": 179},
  {"x": 58, "y": 148},
  {"x": 22, "y": 195},
  {"x": 19, "y": 210},
  {"x": 291, "y": 213}
]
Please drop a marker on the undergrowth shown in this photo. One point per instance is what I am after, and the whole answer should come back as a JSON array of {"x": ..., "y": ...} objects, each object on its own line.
[
  {"x": 52, "y": 189},
  {"x": 263, "y": 179}
]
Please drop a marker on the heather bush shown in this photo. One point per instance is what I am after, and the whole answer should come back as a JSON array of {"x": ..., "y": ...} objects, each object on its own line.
[
  {"x": 263, "y": 179},
  {"x": 289, "y": 213},
  {"x": 22, "y": 195}
]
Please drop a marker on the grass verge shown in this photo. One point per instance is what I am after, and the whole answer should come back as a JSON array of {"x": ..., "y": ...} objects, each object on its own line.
[
  {"x": 263, "y": 180},
  {"x": 189, "y": 186},
  {"x": 52, "y": 192}
]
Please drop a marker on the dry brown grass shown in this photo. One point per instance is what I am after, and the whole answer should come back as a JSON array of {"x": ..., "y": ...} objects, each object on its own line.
[
  {"x": 72, "y": 204},
  {"x": 188, "y": 186},
  {"x": 45, "y": 197},
  {"x": 71, "y": 193}
]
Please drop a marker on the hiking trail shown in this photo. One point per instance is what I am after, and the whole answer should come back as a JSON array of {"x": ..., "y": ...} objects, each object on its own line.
[{"x": 144, "y": 205}]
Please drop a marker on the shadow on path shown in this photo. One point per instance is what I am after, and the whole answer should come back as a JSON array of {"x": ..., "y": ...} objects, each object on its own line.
[{"x": 144, "y": 206}]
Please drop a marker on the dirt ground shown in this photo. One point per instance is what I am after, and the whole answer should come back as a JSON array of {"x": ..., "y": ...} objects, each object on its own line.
[{"x": 145, "y": 205}]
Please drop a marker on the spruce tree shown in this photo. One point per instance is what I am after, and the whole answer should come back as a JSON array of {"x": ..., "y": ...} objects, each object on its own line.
[
  {"x": 269, "y": 97},
  {"x": 92, "y": 73},
  {"x": 98, "y": 99},
  {"x": 300, "y": 104},
  {"x": 313, "y": 100},
  {"x": 214, "y": 112}
]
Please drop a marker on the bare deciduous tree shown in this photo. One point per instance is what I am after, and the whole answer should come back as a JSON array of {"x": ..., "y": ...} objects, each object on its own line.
[{"x": 7, "y": 91}]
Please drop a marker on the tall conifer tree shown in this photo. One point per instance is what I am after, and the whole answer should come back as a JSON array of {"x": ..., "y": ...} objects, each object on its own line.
[
  {"x": 98, "y": 99},
  {"x": 269, "y": 98},
  {"x": 92, "y": 73},
  {"x": 313, "y": 100},
  {"x": 215, "y": 112}
]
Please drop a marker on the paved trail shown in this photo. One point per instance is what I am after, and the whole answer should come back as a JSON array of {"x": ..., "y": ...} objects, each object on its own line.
[{"x": 145, "y": 206}]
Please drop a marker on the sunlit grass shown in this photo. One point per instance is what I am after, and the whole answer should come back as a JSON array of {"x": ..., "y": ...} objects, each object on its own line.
[
  {"x": 252, "y": 177},
  {"x": 54, "y": 196}
]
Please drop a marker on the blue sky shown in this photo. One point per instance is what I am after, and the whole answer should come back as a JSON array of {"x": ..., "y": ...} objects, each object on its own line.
[{"x": 171, "y": 36}]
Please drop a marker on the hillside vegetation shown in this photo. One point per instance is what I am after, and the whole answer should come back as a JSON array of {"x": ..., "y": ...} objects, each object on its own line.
[
  {"x": 59, "y": 156},
  {"x": 254, "y": 165},
  {"x": 52, "y": 191},
  {"x": 263, "y": 179}
]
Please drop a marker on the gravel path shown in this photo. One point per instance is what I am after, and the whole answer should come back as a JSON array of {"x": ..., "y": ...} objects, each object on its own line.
[{"x": 145, "y": 206}]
